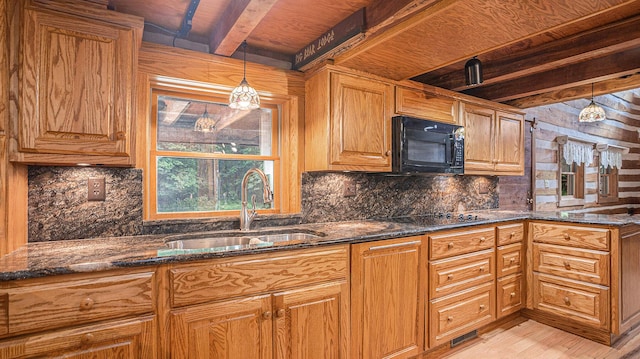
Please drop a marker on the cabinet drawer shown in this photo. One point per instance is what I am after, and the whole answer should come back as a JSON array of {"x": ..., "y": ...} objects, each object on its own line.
[
  {"x": 124, "y": 338},
  {"x": 581, "y": 264},
  {"x": 454, "y": 274},
  {"x": 509, "y": 259},
  {"x": 582, "y": 302},
  {"x": 74, "y": 302},
  {"x": 461, "y": 313},
  {"x": 510, "y": 295},
  {"x": 509, "y": 233},
  {"x": 448, "y": 244},
  {"x": 573, "y": 236},
  {"x": 248, "y": 275}
]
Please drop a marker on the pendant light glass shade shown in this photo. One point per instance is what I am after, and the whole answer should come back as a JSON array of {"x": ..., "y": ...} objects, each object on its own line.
[
  {"x": 593, "y": 112},
  {"x": 205, "y": 123},
  {"x": 473, "y": 72},
  {"x": 244, "y": 97}
]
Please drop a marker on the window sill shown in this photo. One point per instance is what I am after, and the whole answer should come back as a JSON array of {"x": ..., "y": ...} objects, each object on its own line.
[{"x": 571, "y": 202}]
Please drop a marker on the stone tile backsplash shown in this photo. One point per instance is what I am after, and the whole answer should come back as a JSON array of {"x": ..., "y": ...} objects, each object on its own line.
[{"x": 58, "y": 206}]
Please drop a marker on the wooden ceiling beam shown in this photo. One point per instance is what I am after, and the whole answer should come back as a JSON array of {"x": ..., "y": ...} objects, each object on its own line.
[
  {"x": 237, "y": 22},
  {"x": 616, "y": 37},
  {"x": 583, "y": 91},
  {"x": 598, "y": 69}
]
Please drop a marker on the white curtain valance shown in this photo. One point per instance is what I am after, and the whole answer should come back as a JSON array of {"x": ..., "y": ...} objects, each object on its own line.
[
  {"x": 611, "y": 155},
  {"x": 578, "y": 152}
]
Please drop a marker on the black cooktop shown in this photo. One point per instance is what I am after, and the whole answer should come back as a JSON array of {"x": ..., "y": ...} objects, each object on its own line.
[{"x": 435, "y": 219}]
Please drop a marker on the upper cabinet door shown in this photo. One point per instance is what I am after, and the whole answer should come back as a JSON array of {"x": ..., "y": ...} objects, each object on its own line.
[
  {"x": 424, "y": 105},
  {"x": 509, "y": 143},
  {"x": 361, "y": 111},
  {"x": 77, "y": 88},
  {"x": 479, "y": 138}
]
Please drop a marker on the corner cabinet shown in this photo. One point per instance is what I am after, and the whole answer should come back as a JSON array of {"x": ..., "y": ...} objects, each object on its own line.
[
  {"x": 388, "y": 298},
  {"x": 494, "y": 141},
  {"x": 347, "y": 122},
  {"x": 76, "y": 90}
]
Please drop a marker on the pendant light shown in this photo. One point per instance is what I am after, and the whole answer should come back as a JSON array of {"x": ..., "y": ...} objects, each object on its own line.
[
  {"x": 244, "y": 97},
  {"x": 205, "y": 123},
  {"x": 473, "y": 72},
  {"x": 593, "y": 112}
]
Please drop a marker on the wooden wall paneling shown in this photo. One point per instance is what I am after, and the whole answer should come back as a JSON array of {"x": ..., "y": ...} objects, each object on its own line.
[
  {"x": 561, "y": 119},
  {"x": 514, "y": 191}
]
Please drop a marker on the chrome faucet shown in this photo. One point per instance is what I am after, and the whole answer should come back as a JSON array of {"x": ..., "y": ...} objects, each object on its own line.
[{"x": 245, "y": 217}]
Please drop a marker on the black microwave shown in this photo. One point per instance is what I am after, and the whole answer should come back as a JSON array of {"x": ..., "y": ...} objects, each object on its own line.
[{"x": 424, "y": 146}]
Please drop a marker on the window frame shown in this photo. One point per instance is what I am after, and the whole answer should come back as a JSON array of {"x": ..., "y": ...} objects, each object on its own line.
[
  {"x": 195, "y": 93},
  {"x": 612, "y": 196}
]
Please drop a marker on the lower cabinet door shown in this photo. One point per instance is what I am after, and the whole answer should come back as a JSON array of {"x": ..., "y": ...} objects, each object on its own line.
[
  {"x": 312, "y": 322},
  {"x": 240, "y": 328},
  {"x": 388, "y": 290},
  {"x": 127, "y": 338},
  {"x": 579, "y": 301},
  {"x": 510, "y": 295},
  {"x": 460, "y": 313}
]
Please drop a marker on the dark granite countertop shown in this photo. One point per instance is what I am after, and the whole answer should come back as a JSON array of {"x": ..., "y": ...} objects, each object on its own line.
[{"x": 41, "y": 259}]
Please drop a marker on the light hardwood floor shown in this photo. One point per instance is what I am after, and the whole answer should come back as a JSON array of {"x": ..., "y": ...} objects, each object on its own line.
[{"x": 530, "y": 339}]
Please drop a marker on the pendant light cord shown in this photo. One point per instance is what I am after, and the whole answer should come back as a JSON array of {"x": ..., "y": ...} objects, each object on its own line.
[{"x": 244, "y": 59}]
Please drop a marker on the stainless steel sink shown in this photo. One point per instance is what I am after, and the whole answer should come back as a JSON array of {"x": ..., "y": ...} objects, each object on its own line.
[{"x": 221, "y": 241}]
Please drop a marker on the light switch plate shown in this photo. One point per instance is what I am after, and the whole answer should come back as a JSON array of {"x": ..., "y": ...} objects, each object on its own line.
[{"x": 96, "y": 190}]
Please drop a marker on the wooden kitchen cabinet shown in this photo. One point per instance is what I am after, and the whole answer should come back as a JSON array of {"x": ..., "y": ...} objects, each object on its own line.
[
  {"x": 102, "y": 315},
  {"x": 462, "y": 285},
  {"x": 77, "y": 90},
  {"x": 388, "y": 301},
  {"x": 347, "y": 122},
  {"x": 290, "y": 304},
  {"x": 421, "y": 104},
  {"x": 494, "y": 141},
  {"x": 510, "y": 289}
]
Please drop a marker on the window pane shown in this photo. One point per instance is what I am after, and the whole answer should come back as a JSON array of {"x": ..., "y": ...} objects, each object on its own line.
[
  {"x": 604, "y": 185},
  {"x": 202, "y": 185},
  {"x": 568, "y": 184},
  {"x": 220, "y": 128}
]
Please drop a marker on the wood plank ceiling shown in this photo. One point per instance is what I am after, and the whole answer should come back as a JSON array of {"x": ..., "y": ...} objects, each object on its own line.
[{"x": 533, "y": 52}]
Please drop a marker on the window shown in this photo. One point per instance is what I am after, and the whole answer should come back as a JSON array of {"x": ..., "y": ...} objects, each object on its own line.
[
  {"x": 200, "y": 151},
  {"x": 610, "y": 160},
  {"x": 607, "y": 184},
  {"x": 573, "y": 158}
]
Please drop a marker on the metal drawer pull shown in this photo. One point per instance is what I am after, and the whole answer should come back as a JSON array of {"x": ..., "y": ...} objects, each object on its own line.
[{"x": 395, "y": 245}]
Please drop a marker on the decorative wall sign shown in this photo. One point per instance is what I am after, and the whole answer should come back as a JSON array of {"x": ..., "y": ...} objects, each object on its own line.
[{"x": 345, "y": 30}]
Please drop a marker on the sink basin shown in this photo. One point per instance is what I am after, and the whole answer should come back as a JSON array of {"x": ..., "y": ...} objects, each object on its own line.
[{"x": 225, "y": 241}]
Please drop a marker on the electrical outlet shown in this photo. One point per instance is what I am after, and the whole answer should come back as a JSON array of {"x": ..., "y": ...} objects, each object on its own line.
[
  {"x": 349, "y": 188},
  {"x": 96, "y": 191}
]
